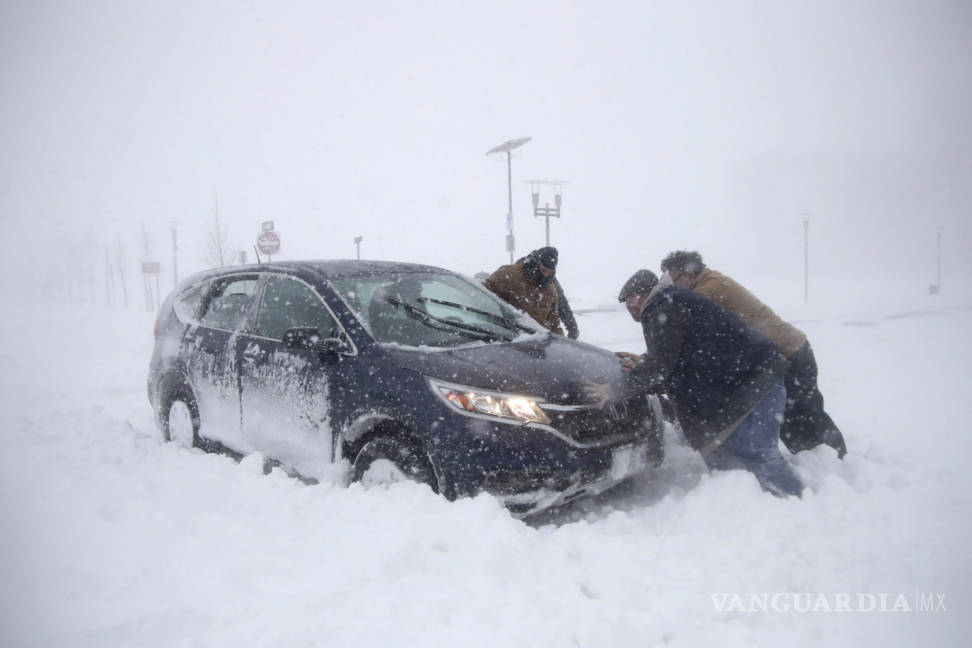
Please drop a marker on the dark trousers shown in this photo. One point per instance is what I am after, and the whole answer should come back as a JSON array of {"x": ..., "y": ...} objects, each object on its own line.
[
  {"x": 805, "y": 423},
  {"x": 755, "y": 446}
]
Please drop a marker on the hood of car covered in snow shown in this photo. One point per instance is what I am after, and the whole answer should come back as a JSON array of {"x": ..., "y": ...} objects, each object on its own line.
[{"x": 551, "y": 367}]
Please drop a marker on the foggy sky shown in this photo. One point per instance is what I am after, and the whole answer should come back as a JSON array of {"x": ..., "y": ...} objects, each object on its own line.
[{"x": 718, "y": 127}]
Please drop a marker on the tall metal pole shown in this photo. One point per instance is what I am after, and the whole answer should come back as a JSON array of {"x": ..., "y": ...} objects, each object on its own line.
[
  {"x": 806, "y": 256},
  {"x": 509, "y": 185},
  {"x": 507, "y": 147},
  {"x": 107, "y": 280},
  {"x": 546, "y": 211},
  {"x": 938, "y": 280},
  {"x": 175, "y": 257}
]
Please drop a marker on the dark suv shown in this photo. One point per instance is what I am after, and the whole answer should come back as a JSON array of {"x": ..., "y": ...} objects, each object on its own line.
[{"x": 407, "y": 371}]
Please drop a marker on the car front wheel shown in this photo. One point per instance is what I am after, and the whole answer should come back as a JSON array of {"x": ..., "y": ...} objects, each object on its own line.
[{"x": 386, "y": 461}]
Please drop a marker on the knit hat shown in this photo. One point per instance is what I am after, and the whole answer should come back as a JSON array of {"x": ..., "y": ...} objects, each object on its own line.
[
  {"x": 643, "y": 282},
  {"x": 546, "y": 256}
]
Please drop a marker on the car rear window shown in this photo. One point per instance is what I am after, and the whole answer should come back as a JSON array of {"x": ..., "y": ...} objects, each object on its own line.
[
  {"x": 187, "y": 304},
  {"x": 229, "y": 304}
]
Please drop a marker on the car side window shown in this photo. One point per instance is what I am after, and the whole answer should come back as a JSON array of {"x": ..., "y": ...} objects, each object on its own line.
[
  {"x": 187, "y": 303},
  {"x": 288, "y": 303},
  {"x": 227, "y": 309}
]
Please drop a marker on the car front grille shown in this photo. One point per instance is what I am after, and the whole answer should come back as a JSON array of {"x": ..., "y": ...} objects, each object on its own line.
[{"x": 590, "y": 425}]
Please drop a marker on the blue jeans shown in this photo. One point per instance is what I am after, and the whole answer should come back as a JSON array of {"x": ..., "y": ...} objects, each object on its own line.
[{"x": 754, "y": 446}]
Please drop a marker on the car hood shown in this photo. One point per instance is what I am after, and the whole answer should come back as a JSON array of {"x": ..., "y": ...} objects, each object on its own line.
[{"x": 552, "y": 367}]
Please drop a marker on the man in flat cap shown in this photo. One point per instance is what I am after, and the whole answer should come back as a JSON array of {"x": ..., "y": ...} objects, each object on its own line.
[{"x": 725, "y": 378}]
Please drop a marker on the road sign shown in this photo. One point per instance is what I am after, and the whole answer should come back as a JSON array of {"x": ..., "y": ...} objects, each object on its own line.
[{"x": 268, "y": 242}]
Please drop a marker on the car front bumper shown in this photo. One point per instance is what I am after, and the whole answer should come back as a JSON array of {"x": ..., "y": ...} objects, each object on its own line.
[{"x": 528, "y": 492}]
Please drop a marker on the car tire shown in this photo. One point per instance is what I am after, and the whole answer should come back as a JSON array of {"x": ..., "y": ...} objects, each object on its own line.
[
  {"x": 383, "y": 461},
  {"x": 181, "y": 420}
]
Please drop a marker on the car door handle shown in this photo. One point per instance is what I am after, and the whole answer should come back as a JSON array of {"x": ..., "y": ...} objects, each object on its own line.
[{"x": 254, "y": 354}]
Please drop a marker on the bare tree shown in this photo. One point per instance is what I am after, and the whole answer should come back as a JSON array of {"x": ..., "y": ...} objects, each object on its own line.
[
  {"x": 148, "y": 249},
  {"x": 81, "y": 251},
  {"x": 218, "y": 249},
  {"x": 121, "y": 265}
]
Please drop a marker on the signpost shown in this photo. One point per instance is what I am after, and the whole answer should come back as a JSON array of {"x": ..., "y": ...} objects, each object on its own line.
[
  {"x": 150, "y": 268},
  {"x": 268, "y": 242}
]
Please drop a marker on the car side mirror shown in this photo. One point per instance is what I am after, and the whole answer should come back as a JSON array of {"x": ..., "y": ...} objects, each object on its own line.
[
  {"x": 312, "y": 340},
  {"x": 332, "y": 345}
]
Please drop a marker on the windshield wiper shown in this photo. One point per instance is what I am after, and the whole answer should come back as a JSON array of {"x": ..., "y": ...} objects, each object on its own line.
[
  {"x": 442, "y": 324},
  {"x": 512, "y": 325}
]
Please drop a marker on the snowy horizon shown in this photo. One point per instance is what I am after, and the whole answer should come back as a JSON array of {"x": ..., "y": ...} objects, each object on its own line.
[{"x": 719, "y": 128}]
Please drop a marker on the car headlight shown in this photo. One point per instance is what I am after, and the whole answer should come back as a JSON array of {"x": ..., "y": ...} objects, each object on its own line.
[{"x": 472, "y": 402}]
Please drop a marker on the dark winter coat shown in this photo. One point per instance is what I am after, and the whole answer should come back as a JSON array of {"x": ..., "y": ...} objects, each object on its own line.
[
  {"x": 512, "y": 284},
  {"x": 713, "y": 366}
]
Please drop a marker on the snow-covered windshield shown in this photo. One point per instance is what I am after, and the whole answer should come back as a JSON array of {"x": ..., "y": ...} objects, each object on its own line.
[{"x": 429, "y": 309}]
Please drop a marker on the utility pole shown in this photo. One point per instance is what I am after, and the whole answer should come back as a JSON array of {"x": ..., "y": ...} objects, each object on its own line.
[
  {"x": 936, "y": 288},
  {"x": 175, "y": 255},
  {"x": 546, "y": 211},
  {"x": 108, "y": 280},
  {"x": 507, "y": 147},
  {"x": 806, "y": 255}
]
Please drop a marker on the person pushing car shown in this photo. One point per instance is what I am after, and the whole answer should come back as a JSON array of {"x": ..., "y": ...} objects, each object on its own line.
[{"x": 724, "y": 378}]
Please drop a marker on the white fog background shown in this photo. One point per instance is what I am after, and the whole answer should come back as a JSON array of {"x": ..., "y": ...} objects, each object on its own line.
[
  {"x": 713, "y": 126},
  {"x": 717, "y": 126}
]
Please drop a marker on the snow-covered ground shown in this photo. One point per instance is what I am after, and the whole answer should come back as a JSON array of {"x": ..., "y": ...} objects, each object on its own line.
[{"x": 113, "y": 538}]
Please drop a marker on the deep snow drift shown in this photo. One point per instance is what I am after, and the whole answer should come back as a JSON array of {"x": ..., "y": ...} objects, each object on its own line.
[{"x": 112, "y": 538}]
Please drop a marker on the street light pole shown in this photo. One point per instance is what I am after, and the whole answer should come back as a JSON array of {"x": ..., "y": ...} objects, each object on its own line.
[
  {"x": 546, "y": 211},
  {"x": 806, "y": 256},
  {"x": 357, "y": 245},
  {"x": 507, "y": 147},
  {"x": 509, "y": 219},
  {"x": 175, "y": 256}
]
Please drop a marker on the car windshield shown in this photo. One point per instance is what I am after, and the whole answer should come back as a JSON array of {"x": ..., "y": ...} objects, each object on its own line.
[{"x": 430, "y": 309}]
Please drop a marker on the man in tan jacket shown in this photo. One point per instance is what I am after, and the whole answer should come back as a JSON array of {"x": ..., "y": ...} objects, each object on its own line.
[
  {"x": 528, "y": 285},
  {"x": 805, "y": 423}
]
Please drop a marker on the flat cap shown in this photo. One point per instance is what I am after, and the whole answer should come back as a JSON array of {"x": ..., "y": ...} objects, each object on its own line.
[{"x": 643, "y": 281}]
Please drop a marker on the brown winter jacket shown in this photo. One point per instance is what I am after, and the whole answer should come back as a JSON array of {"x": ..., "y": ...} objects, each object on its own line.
[
  {"x": 511, "y": 284},
  {"x": 736, "y": 299}
]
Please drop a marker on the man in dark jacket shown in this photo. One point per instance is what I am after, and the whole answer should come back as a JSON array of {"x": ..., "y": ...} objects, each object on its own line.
[
  {"x": 724, "y": 378},
  {"x": 529, "y": 286},
  {"x": 805, "y": 423}
]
